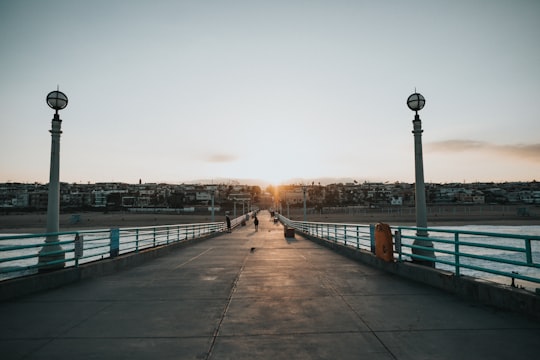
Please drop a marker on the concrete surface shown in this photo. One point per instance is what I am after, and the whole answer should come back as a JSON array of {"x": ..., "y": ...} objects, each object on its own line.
[
  {"x": 257, "y": 295},
  {"x": 26, "y": 285}
]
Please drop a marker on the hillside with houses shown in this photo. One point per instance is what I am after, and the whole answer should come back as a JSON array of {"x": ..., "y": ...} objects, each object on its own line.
[{"x": 113, "y": 196}]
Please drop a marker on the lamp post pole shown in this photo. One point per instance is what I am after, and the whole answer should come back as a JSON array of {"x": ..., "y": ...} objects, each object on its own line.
[
  {"x": 305, "y": 209},
  {"x": 234, "y": 208},
  {"x": 213, "y": 195},
  {"x": 52, "y": 251},
  {"x": 416, "y": 102}
]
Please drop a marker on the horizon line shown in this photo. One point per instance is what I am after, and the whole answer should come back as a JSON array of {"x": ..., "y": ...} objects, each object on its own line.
[{"x": 259, "y": 182}]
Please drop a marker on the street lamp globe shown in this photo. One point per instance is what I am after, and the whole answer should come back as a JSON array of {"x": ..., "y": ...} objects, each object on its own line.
[
  {"x": 57, "y": 100},
  {"x": 416, "y": 102}
]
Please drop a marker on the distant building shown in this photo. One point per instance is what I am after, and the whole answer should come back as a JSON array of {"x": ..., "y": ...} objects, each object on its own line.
[{"x": 293, "y": 196}]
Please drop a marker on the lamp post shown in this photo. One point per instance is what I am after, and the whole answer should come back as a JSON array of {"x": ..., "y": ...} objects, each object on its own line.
[
  {"x": 213, "y": 196},
  {"x": 234, "y": 208},
  {"x": 52, "y": 251},
  {"x": 305, "y": 209},
  {"x": 416, "y": 102}
]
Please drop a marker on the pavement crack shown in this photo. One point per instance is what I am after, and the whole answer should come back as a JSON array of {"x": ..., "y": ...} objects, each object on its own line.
[
  {"x": 226, "y": 308},
  {"x": 351, "y": 308},
  {"x": 193, "y": 258}
]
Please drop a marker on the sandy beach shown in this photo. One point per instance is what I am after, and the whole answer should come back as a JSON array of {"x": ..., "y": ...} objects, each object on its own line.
[
  {"x": 437, "y": 215},
  {"x": 36, "y": 222},
  {"x": 457, "y": 220}
]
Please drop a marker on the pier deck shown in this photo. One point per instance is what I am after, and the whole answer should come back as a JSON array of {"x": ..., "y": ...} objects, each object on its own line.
[{"x": 258, "y": 295}]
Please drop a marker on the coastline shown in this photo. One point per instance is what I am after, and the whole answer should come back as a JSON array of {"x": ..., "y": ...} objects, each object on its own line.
[
  {"x": 36, "y": 222},
  {"x": 432, "y": 221},
  {"x": 449, "y": 215}
]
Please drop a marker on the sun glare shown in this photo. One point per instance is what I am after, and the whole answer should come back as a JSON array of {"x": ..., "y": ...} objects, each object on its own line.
[{"x": 267, "y": 172}]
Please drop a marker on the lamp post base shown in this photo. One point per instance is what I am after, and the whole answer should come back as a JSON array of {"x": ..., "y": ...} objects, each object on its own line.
[
  {"x": 427, "y": 263},
  {"x": 51, "y": 257},
  {"x": 425, "y": 253}
]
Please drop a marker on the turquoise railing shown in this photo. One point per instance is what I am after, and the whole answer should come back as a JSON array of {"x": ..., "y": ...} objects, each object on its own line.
[
  {"x": 488, "y": 255},
  {"x": 19, "y": 254},
  {"x": 475, "y": 253},
  {"x": 359, "y": 236}
]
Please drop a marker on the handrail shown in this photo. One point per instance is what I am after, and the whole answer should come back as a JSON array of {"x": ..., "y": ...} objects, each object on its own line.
[
  {"x": 19, "y": 253},
  {"x": 359, "y": 236},
  {"x": 476, "y": 253},
  {"x": 488, "y": 255}
]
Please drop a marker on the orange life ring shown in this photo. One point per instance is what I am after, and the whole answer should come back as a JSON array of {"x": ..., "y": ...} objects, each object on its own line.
[{"x": 383, "y": 242}]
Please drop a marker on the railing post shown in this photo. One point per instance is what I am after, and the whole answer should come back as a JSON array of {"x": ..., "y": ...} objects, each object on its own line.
[
  {"x": 137, "y": 240},
  {"x": 345, "y": 234},
  {"x": 357, "y": 238},
  {"x": 168, "y": 235},
  {"x": 456, "y": 251},
  {"x": 114, "y": 242},
  {"x": 397, "y": 242},
  {"x": 528, "y": 251},
  {"x": 78, "y": 248},
  {"x": 154, "y": 237},
  {"x": 372, "y": 237}
]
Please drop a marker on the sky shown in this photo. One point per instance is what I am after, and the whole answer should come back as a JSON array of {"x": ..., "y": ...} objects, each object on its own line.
[{"x": 180, "y": 91}]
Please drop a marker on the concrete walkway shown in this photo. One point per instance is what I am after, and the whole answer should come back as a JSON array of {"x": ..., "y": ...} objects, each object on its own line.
[{"x": 256, "y": 295}]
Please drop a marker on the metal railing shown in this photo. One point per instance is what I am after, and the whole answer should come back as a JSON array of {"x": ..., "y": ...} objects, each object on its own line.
[
  {"x": 358, "y": 236},
  {"x": 19, "y": 254},
  {"x": 475, "y": 253},
  {"x": 237, "y": 221},
  {"x": 488, "y": 255}
]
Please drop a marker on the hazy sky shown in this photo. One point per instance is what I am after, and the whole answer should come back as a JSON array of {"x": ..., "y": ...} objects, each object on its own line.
[{"x": 176, "y": 91}]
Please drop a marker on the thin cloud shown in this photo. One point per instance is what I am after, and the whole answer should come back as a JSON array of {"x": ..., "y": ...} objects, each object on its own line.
[
  {"x": 456, "y": 145},
  {"x": 220, "y": 158},
  {"x": 530, "y": 152}
]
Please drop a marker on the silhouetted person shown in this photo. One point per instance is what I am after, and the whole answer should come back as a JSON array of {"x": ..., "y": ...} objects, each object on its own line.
[
  {"x": 256, "y": 222},
  {"x": 228, "y": 220}
]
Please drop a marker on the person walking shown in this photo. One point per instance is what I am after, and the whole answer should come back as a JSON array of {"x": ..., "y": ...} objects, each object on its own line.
[
  {"x": 228, "y": 220},
  {"x": 256, "y": 222}
]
